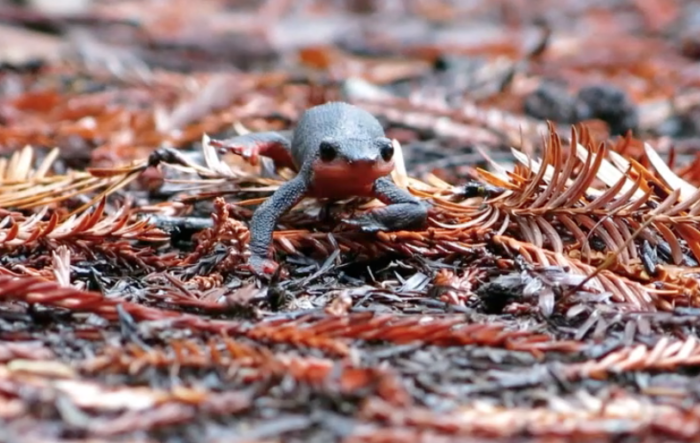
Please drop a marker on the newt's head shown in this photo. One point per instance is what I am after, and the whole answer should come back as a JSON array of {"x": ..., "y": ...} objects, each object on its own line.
[{"x": 351, "y": 165}]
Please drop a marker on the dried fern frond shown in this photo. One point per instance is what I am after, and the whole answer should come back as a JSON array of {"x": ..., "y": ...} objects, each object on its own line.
[
  {"x": 23, "y": 186},
  {"x": 19, "y": 168},
  {"x": 584, "y": 415},
  {"x": 90, "y": 225},
  {"x": 631, "y": 295},
  {"x": 572, "y": 196},
  {"x": 667, "y": 354}
]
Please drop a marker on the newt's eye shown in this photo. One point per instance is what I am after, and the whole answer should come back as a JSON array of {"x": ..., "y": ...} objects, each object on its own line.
[
  {"x": 327, "y": 151},
  {"x": 387, "y": 151}
]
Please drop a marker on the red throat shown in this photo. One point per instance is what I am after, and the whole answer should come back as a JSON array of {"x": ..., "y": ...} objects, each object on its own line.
[{"x": 340, "y": 179}]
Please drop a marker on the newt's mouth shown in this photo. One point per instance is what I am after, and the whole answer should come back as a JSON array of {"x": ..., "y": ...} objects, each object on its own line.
[
  {"x": 342, "y": 178},
  {"x": 358, "y": 170}
]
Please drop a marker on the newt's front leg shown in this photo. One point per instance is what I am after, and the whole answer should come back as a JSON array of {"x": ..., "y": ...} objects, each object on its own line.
[
  {"x": 403, "y": 210},
  {"x": 265, "y": 219},
  {"x": 274, "y": 145}
]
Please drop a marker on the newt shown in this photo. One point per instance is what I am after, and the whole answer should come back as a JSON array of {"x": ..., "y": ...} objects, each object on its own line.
[{"x": 338, "y": 151}]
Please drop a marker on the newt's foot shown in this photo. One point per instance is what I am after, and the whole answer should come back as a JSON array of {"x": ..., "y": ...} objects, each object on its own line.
[
  {"x": 262, "y": 266},
  {"x": 249, "y": 151},
  {"x": 397, "y": 217},
  {"x": 367, "y": 223},
  {"x": 252, "y": 146}
]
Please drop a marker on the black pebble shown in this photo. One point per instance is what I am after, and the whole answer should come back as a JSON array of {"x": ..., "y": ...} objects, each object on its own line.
[
  {"x": 608, "y": 103},
  {"x": 553, "y": 102},
  {"x": 611, "y": 105}
]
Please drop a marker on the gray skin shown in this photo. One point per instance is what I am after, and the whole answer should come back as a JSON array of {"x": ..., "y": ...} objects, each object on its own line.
[{"x": 355, "y": 139}]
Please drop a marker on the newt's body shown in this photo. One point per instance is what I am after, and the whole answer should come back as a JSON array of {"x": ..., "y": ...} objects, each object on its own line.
[{"x": 338, "y": 151}]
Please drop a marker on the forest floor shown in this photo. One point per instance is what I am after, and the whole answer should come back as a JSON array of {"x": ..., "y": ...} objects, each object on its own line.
[{"x": 553, "y": 297}]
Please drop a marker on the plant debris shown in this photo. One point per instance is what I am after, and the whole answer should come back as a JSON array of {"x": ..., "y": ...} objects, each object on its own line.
[{"x": 554, "y": 295}]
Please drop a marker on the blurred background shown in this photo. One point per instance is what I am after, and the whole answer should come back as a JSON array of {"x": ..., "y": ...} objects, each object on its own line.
[{"x": 108, "y": 81}]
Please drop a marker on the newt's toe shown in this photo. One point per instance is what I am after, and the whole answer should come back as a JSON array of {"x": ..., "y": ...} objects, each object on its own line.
[
  {"x": 262, "y": 266},
  {"x": 250, "y": 152},
  {"x": 366, "y": 223}
]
